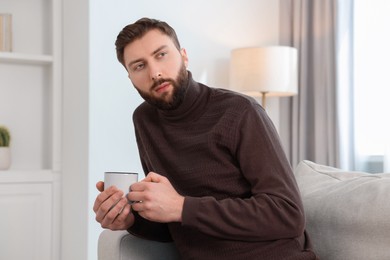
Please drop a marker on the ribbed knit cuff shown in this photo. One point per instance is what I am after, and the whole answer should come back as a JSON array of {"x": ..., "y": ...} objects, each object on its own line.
[{"x": 190, "y": 210}]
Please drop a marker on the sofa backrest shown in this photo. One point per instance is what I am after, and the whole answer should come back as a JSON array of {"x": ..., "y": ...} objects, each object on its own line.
[{"x": 347, "y": 213}]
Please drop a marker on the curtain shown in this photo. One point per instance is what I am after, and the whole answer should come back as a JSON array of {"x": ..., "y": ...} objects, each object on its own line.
[{"x": 309, "y": 121}]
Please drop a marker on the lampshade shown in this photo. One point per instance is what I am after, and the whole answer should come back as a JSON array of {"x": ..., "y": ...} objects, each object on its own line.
[{"x": 270, "y": 71}]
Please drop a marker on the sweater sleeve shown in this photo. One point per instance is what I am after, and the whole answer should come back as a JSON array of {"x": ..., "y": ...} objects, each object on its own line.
[
  {"x": 274, "y": 209},
  {"x": 150, "y": 230}
]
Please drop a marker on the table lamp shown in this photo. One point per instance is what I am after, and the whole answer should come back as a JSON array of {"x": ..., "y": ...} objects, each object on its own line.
[{"x": 264, "y": 71}]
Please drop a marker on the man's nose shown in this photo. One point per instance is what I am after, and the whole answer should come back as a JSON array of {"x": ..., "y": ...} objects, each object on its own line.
[
  {"x": 155, "y": 71},
  {"x": 156, "y": 75}
]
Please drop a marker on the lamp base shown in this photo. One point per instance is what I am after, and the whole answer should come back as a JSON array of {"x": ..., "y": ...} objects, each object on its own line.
[{"x": 263, "y": 98}]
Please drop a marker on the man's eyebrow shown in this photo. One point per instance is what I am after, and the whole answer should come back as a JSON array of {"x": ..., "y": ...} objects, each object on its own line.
[
  {"x": 153, "y": 53},
  {"x": 159, "y": 49}
]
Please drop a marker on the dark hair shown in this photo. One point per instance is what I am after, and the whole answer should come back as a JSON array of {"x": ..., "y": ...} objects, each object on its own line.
[{"x": 138, "y": 29}]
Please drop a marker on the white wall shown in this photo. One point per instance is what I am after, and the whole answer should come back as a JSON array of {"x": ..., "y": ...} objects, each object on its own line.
[{"x": 207, "y": 29}]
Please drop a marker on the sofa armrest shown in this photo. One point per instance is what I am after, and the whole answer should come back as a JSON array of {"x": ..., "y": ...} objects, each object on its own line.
[{"x": 116, "y": 245}]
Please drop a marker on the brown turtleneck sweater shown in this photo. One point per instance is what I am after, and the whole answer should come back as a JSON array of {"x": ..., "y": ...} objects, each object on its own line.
[{"x": 220, "y": 150}]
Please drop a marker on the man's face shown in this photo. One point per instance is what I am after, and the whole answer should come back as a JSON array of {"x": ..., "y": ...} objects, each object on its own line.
[{"x": 157, "y": 69}]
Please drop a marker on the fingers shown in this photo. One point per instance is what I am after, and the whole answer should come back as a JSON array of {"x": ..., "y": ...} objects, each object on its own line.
[
  {"x": 154, "y": 177},
  {"x": 106, "y": 202},
  {"x": 112, "y": 209},
  {"x": 135, "y": 196},
  {"x": 104, "y": 195},
  {"x": 140, "y": 206},
  {"x": 122, "y": 219},
  {"x": 114, "y": 212},
  {"x": 100, "y": 186}
]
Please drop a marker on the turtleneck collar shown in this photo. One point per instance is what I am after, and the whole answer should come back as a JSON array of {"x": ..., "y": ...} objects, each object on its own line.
[{"x": 193, "y": 104}]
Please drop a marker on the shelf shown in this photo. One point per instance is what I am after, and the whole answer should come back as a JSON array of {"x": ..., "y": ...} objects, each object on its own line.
[
  {"x": 21, "y": 58},
  {"x": 28, "y": 176},
  {"x": 31, "y": 107}
]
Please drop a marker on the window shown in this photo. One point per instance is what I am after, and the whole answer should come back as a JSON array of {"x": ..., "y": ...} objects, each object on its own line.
[{"x": 371, "y": 84}]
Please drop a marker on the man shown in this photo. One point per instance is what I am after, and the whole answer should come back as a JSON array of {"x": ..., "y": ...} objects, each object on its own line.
[{"x": 217, "y": 180}]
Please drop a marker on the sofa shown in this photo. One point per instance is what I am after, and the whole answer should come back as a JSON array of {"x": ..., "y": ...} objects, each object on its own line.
[{"x": 347, "y": 214}]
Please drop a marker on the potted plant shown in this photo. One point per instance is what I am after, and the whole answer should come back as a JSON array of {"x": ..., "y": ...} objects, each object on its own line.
[{"x": 5, "y": 152}]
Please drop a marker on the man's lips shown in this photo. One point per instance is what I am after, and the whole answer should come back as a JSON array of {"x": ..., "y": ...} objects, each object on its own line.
[{"x": 160, "y": 88}]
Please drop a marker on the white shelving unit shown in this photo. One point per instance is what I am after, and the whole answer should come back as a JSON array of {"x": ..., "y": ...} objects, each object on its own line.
[
  {"x": 30, "y": 106},
  {"x": 24, "y": 59}
]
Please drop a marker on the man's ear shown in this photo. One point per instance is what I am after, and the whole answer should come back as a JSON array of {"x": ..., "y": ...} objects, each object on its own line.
[{"x": 183, "y": 53}]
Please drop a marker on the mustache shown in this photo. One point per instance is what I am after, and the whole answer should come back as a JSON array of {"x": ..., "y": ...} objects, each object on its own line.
[{"x": 159, "y": 82}]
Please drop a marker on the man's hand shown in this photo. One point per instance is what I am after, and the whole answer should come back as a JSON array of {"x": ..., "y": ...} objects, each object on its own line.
[
  {"x": 156, "y": 199},
  {"x": 112, "y": 209}
]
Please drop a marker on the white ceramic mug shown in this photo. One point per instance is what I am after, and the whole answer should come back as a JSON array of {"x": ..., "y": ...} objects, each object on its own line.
[{"x": 122, "y": 180}]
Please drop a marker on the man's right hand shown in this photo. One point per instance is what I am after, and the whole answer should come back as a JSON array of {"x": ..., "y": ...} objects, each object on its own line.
[{"x": 112, "y": 208}]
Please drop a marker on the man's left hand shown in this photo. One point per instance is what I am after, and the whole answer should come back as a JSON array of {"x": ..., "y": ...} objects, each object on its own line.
[{"x": 156, "y": 199}]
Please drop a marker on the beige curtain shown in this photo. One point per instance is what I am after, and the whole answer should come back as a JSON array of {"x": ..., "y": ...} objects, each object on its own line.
[{"x": 308, "y": 124}]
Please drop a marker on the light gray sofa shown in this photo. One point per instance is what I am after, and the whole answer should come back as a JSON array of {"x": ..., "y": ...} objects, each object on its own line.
[{"x": 348, "y": 218}]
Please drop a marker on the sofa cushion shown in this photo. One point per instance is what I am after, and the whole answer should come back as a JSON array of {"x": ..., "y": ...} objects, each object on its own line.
[{"x": 347, "y": 213}]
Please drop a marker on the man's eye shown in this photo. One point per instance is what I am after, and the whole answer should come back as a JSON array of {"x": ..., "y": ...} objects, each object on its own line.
[
  {"x": 162, "y": 54},
  {"x": 138, "y": 67}
]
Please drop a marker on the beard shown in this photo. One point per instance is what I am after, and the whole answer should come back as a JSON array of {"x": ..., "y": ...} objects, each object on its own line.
[{"x": 179, "y": 86}]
